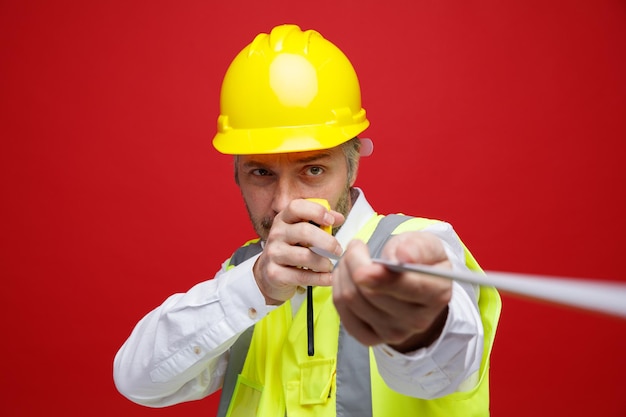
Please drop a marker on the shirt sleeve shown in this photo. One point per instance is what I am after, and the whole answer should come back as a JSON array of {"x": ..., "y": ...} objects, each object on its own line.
[
  {"x": 452, "y": 362},
  {"x": 179, "y": 351}
]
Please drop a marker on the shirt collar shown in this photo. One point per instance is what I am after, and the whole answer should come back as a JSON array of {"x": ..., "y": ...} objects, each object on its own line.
[{"x": 360, "y": 214}]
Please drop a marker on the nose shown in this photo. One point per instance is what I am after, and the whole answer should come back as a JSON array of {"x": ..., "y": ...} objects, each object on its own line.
[{"x": 284, "y": 192}]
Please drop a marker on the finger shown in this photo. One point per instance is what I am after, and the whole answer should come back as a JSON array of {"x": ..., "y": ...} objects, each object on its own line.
[
  {"x": 306, "y": 234},
  {"x": 355, "y": 311},
  {"x": 356, "y": 272},
  {"x": 297, "y": 256},
  {"x": 344, "y": 289},
  {"x": 358, "y": 328},
  {"x": 361, "y": 331},
  {"x": 293, "y": 276},
  {"x": 415, "y": 247},
  {"x": 412, "y": 287},
  {"x": 392, "y": 306},
  {"x": 307, "y": 277},
  {"x": 397, "y": 319},
  {"x": 301, "y": 210},
  {"x": 279, "y": 283},
  {"x": 391, "y": 320},
  {"x": 364, "y": 318}
]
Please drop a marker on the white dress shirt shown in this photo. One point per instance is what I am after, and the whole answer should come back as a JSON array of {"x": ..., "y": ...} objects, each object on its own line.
[{"x": 179, "y": 351}]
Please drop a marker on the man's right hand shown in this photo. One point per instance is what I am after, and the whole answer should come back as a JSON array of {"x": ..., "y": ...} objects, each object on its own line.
[{"x": 286, "y": 262}]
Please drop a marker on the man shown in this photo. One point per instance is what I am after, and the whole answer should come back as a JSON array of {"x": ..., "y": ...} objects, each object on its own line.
[{"x": 369, "y": 341}]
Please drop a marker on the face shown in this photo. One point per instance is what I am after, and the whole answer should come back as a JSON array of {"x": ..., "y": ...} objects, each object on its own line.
[{"x": 269, "y": 182}]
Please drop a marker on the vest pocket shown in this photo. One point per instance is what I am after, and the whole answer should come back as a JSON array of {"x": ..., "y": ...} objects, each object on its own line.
[
  {"x": 246, "y": 398},
  {"x": 316, "y": 381}
]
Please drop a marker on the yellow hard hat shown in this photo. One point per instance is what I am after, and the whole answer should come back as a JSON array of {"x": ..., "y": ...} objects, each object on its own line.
[{"x": 289, "y": 91}]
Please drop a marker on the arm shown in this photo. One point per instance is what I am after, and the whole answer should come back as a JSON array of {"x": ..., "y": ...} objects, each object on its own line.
[
  {"x": 426, "y": 332},
  {"x": 179, "y": 351}
]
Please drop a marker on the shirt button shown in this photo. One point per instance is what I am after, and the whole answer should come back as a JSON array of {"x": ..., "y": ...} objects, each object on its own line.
[
  {"x": 197, "y": 350},
  {"x": 252, "y": 313},
  {"x": 301, "y": 290}
]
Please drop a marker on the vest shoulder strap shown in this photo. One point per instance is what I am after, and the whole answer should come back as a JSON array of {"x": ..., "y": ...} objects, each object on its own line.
[
  {"x": 247, "y": 251},
  {"x": 383, "y": 232}
]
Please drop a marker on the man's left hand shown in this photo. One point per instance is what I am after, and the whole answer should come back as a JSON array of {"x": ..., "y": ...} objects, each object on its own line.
[{"x": 405, "y": 310}]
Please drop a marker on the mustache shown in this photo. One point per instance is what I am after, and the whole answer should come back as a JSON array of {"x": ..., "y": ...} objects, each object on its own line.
[{"x": 266, "y": 223}]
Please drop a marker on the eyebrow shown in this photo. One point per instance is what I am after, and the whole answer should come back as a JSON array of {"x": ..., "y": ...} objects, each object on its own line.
[
  {"x": 313, "y": 158},
  {"x": 304, "y": 160}
]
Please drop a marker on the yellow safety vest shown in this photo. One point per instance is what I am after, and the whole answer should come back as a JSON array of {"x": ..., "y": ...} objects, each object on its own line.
[{"x": 279, "y": 378}]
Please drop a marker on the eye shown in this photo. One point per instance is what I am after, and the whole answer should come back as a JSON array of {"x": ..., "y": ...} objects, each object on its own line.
[
  {"x": 315, "y": 171},
  {"x": 260, "y": 172}
]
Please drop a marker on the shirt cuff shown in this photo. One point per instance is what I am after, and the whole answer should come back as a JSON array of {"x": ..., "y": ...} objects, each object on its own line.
[
  {"x": 442, "y": 367},
  {"x": 240, "y": 297}
]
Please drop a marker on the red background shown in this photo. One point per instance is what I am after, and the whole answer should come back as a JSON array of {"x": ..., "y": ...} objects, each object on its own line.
[{"x": 505, "y": 118}]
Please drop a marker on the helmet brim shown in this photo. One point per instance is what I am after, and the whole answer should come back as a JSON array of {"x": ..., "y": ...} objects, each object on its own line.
[{"x": 285, "y": 140}]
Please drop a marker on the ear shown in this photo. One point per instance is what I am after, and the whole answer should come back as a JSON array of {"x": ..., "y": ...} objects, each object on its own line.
[{"x": 353, "y": 176}]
